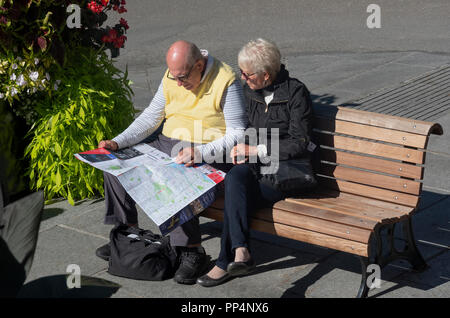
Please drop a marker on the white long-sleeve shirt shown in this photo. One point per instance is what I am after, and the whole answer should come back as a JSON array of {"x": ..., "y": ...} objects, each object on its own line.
[{"x": 150, "y": 119}]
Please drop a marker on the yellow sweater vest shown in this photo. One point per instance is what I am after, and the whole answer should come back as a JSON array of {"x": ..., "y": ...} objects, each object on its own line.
[{"x": 197, "y": 117}]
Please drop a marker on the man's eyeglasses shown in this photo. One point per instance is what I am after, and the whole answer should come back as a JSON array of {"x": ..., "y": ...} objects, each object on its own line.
[
  {"x": 247, "y": 76},
  {"x": 181, "y": 78}
]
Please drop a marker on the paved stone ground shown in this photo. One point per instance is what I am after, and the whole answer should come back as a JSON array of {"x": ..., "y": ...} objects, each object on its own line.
[
  {"x": 70, "y": 235},
  {"x": 339, "y": 63}
]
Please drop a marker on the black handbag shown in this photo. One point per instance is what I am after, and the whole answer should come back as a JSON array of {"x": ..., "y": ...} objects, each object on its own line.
[
  {"x": 292, "y": 177},
  {"x": 140, "y": 254}
]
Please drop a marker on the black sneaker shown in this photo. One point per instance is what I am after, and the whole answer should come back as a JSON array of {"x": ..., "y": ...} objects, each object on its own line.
[
  {"x": 193, "y": 262},
  {"x": 104, "y": 252}
]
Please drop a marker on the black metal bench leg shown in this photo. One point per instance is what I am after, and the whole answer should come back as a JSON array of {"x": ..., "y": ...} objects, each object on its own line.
[
  {"x": 410, "y": 253},
  {"x": 363, "y": 288}
]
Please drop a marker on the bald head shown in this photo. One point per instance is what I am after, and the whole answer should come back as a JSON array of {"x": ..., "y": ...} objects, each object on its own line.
[
  {"x": 183, "y": 53},
  {"x": 186, "y": 63}
]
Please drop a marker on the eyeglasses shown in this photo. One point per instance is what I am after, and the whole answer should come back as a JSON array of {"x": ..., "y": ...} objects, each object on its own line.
[
  {"x": 182, "y": 78},
  {"x": 247, "y": 76}
]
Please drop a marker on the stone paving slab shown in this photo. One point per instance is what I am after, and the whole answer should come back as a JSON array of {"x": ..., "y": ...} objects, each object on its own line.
[
  {"x": 61, "y": 246},
  {"x": 424, "y": 59},
  {"x": 62, "y": 212},
  {"x": 380, "y": 77}
]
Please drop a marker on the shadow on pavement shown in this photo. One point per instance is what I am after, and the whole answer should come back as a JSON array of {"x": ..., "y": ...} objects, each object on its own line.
[
  {"x": 329, "y": 99},
  {"x": 51, "y": 212},
  {"x": 56, "y": 287}
]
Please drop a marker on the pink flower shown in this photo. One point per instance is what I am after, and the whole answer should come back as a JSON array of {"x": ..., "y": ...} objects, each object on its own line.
[
  {"x": 95, "y": 7},
  {"x": 124, "y": 23},
  {"x": 112, "y": 34},
  {"x": 118, "y": 43},
  {"x": 110, "y": 37}
]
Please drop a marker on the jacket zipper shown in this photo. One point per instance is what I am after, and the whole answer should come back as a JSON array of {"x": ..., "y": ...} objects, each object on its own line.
[{"x": 276, "y": 102}]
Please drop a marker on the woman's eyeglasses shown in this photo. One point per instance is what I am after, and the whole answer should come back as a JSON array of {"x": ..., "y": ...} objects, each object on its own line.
[{"x": 247, "y": 76}]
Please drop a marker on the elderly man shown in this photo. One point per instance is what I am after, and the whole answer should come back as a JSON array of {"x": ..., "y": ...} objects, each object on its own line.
[{"x": 202, "y": 103}]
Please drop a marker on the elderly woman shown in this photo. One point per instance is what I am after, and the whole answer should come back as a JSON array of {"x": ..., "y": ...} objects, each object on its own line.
[{"x": 282, "y": 105}]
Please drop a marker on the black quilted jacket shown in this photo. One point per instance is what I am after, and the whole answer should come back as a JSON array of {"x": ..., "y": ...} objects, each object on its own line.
[{"x": 290, "y": 111}]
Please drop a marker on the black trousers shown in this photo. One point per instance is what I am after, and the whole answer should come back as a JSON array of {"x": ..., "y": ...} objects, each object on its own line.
[
  {"x": 121, "y": 208},
  {"x": 243, "y": 194}
]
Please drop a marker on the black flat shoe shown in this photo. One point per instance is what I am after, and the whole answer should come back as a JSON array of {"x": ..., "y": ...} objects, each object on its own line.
[
  {"x": 207, "y": 281},
  {"x": 241, "y": 268},
  {"x": 104, "y": 252}
]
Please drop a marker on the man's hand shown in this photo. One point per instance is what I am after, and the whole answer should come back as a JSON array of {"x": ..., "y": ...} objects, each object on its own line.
[
  {"x": 188, "y": 156},
  {"x": 108, "y": 144},
  {"x": 242, "y": 152}
]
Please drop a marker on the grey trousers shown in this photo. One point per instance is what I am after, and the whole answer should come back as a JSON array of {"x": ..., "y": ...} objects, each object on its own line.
[
  {"x": 19, "y": 229},
  {"x": 121, "y": 208}
]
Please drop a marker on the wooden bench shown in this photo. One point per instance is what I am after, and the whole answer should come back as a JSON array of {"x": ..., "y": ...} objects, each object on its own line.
[{"x": 369, "y": 171}]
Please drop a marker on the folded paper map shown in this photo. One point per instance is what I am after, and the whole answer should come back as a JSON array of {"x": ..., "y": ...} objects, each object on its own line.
[{"x": 169, "y": 193}]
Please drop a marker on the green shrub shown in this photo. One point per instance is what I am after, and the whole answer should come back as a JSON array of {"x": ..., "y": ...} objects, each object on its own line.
[
  {"x": 34, "y": 38},
  {"x": 93, "y": 103},
  {"x": 59, "y": 83}
]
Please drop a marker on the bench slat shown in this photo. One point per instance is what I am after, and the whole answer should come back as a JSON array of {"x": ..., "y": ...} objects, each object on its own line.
[
  {"x": 298, "y": 234},
  {"x": 371, "y": 132},
  {"x": 332, "y": 216},
  {"x": 357, "y": 199},
  {"x": 370, "y": 163},
  {"x": 371, "y": 148},
  {"x": 370, "y": 192},
  {"x": 313, "y": 224},
  {"x": 377, "y": 119},
  {"x": 311, "y": 237},
  {"x": 376, "y": 210},
  {"x": 371, "y": 179},
  {"x": 364, "y": 211}
]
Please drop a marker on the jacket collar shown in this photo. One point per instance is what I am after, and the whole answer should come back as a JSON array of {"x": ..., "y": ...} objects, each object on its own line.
[{"x": 279, "y": 86}]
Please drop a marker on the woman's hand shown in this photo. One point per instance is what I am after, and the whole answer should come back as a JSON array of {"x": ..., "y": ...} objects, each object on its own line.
[
  {"x": 188, "y": 156},
  {"x": 108, "y": 144},
  {"x": 242, "y": 152}
]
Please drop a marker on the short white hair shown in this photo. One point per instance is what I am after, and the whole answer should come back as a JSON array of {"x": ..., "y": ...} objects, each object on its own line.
[{"x": 261, "y": 55}]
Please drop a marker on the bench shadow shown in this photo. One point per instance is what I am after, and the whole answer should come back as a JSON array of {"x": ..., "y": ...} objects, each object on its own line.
[
  {"x": 56, "y": 287},
  {"x": 330, "y": 100},
  {"x": 272, "y": 252}
]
